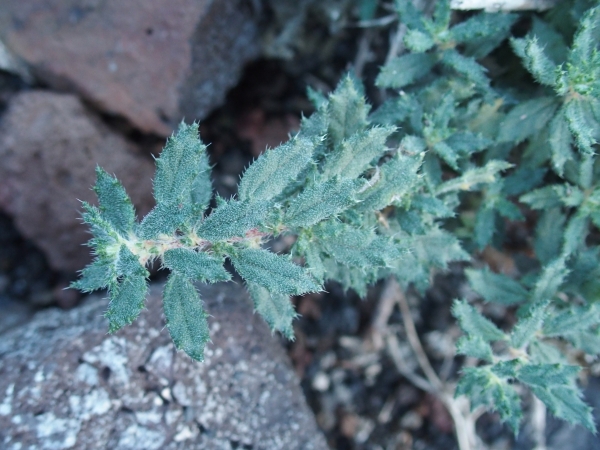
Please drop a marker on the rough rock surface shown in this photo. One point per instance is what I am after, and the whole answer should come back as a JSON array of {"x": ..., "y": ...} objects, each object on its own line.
[
  {"x": 49, "y": 147},
  {"x": 65, "y": 383},
  {"x": 149, "y": 61}
]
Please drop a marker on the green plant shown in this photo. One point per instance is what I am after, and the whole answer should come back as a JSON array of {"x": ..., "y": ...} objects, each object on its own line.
[
  {"x": 557, "y": 125},
  {"x": 450, "y": 159}
]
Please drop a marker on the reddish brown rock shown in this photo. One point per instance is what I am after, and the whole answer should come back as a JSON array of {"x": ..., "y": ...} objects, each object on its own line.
[
  {"x": 149, "y": 61},
  {"x": 85, "y": 389},
  {"x": 50, "y": 145}
]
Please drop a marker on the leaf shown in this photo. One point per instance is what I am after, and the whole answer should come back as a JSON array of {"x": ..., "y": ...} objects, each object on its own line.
[
  {"x": 575, "y": 234},
  {"x": 553, "y": 195},
  {"x": 442, "y": 14},
  {"x": 572, "y": 320},
  {"x": 549, "y": 234},
  {"x": 115, "y": 205},
  {"x": 466, "y": 66},
  {"x": 357, "y": 248},
  {"x": 437, "y": 248},
  {"x": 550, "y": 40},
  {"x": 523, "y": 179},
  {"x": 444, "y": 151},
  {"x": 484, "y": 29},
  {"x": 186, "y": 318},
  {"x": 320, "y": 202},
  {"x": 475, "y": 347},
  {"x": 179, "y": 165},
  {"x": 526, "y": 119},
  {"x": 486, "y": 388},
  {"x": 495, "y": 287},
  {"x": 276, "y": 309},
  {"x": 404, "y": 70},
  {"x": 196, "y": 265},
  {"x": 99, "y": 274},
  {"x": 127, "y": 264},
  {"x": 201, "y": 192},
  {"x": 396, "y": 179},
  {"x": 543, "y": 353},
  {"x": 311, "y": 251},
  {"x": 497, "y": 29},
  {"x": 582, "y": 124},
  {"x": 418, "y": 41},
  {"x": 164, "y": 218},
  {"x": 586, "y": 40},
  {"x": 467, "y": 143},
  {"x": 274, "y": 272},
  {"x": 528, "y": 325},
  {"x": 126, "y": 302},
  {"x": 356, "y": 153},
  {"x": 485, "y": 226},
  {"x": 104, "y": 235},
  {"x": 347, "y": 110},
  {"x": 473, "y": 177},
  {"x": 560, "y": 142},
  {"x": 536, "y": 61},
  {"x": 552, "y": 276},
  {"x": 474, "y": 324},
  {"x": 233, "y": 219},
  {"x": 268, "y": 176},
  {"x": 554, "y": 384}
]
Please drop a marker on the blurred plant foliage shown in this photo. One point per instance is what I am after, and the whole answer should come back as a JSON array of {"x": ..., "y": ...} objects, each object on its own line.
[
  {"x": 547, "y": 124},
  {"x": 455, "y": 153}
]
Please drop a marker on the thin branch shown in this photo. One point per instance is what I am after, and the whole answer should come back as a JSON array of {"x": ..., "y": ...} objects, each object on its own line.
[
  {"x": 464, "y": 421},
  {"x": 379, "y": 22},
  {"x": 415, "y": 342},
  {"x": 396, "y": 43},
  {"x": 393, "y": 347}
]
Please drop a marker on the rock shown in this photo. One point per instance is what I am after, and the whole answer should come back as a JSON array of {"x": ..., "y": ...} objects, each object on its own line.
[
  {"x": 150, "y": 61},
  {"x": 50, "y": 145},
  {"x": 65, "y": 383}
]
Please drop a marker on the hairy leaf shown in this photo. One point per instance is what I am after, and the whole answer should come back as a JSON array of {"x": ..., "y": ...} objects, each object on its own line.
[
  {"x": 528, "y": 325},
  {"x": 404, "y": 70},
  {"x": 347, "y": 110},
  {"x": 475, "y": 347},
  {"x": 356, "y": 153},
  {"x": 554, "y": 384},
  {"x": 268, "y": 176},
  {"x": 186, "y": 318},
  {"x": 126, "y": 302},
  {"x": 560, "y": 142},
  {"x": 495, "y": 287},
  {"x": 115, "y": 205},
  {"x": 164, "y": 218},
  {"x": 276, "y": 309},
  {"x": 473, "y": 177},
  {"x": 196, "y": 265},
  {"x": 474, "y": 324},
  {"x": 526, "y": 119},
  {"x": 357, "y": 248},
  {"x": 274, "y": 272},
  {"x": 572, "y": 320},
  {"x": 582, "y": 124},
  {"x": 99, "y": 274},
  {"x": 179, "y": 165},
  {"x": 233, "y": 219},
  {"x": 320, "y": 202},
  {"x": 465, "y": 66},
  {"x": 486, "y": 388}
]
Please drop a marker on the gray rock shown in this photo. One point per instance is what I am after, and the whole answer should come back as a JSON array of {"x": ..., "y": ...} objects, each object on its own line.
[
  {"x": 65, "y": 383},
  {"x": 148, "y": 61},
  {"x": 50, "y": 145}
]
